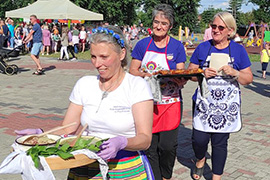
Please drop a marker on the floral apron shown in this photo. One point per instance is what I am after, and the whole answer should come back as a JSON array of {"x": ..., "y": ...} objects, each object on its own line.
[
  {"x": 220, "y": 110},
  {"x": 167, "y": 113}
]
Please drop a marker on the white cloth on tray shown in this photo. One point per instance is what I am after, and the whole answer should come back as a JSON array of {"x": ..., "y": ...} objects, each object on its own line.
[{"x": 18, "y": 162}]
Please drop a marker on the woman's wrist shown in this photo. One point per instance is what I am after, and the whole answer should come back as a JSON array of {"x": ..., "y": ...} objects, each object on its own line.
[{"x": 236, "y": 75}]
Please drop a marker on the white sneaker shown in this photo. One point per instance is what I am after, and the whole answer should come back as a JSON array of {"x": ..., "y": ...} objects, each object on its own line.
[
  {"x": 74, "y": 59},
  {"x": 42, "y": 54}
]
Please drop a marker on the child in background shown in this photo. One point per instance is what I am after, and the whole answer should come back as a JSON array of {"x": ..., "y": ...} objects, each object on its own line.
[
  {"x": 64, "y": 42},
  {"x": 83, "y": 37},
  {"x": 265, "y": 59},
  {"x": 55, "y": 38}
]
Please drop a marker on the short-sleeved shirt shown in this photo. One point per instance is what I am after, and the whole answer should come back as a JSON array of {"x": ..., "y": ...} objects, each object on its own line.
[
  {"x": 37, "y": 36},
  {"x": 11, "y": 30},
  {"x": 111, "y": 116},
  {"x": 235, "y": 51},
  {"x": 265, "y": 57},
  {"x": 175, "y": 51}
]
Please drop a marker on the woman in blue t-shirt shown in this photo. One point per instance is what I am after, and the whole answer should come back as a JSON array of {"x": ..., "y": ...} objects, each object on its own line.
[
  {"x": 151, "y": 54},
  {"x": 216, "y": 110}
]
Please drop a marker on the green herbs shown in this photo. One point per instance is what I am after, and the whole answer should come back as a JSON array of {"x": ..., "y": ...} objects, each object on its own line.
[{"x": 63, "y": 151}]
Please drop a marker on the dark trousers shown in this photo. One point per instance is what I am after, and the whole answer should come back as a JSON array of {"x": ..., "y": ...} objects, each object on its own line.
[
  {"x": 219, "y": 142},
  {"x": 162, "y": 153},
  {"x": 71, "y": 50}
]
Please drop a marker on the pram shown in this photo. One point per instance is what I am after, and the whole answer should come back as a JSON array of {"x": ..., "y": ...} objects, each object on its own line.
[{"x": 5, "y": 53}]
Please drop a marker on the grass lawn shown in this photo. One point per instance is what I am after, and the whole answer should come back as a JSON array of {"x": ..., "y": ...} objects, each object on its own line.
[{"x": 82, "y": 56}]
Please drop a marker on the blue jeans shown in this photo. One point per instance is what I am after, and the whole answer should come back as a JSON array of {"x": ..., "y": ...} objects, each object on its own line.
[
  {"x": 76, "y": 49},
  {"x": 11, "y": 41}
]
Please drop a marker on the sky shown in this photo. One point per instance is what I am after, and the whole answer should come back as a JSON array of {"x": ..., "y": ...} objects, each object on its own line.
[{"x": 223, "y": 4}]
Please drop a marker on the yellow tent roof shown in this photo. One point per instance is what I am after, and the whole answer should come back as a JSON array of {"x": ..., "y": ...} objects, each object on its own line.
[{"x": 54, "y": 9}]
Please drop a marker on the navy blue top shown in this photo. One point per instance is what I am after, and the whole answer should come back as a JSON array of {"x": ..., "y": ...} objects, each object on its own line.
[{"x": 37, "y": 36}]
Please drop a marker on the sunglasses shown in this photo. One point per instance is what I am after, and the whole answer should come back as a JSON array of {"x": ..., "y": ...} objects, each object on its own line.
[{"x": 214, "y": 26}]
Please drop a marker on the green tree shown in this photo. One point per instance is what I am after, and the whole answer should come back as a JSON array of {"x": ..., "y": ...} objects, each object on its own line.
[
  {"x": 114, "y": 11},
  {"x": 8, "y": 5},
  {"x": 263, "y": 13},
  {"x": 234, "y": 8},
  {"x": 186, "y": 13},
  {"x": 245, "y": 18},
  {"x": 207, "y": 16}
]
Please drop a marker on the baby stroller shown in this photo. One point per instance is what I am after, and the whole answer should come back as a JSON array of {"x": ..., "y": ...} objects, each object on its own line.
[{"x": 5, "y": 53}]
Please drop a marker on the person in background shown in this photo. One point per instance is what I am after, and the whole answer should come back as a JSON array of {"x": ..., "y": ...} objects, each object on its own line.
[
  {"x": 151, "y": 54},
  {"x": 10, "y": 25},
  {"x": 46, "y": 39},
  {"x": 237, "y": 38},
  {"x": 5, "y": 33},
  {"x": 18, "y": 36},
  {"x": 83, "y": 37},
  {"x": 75, "y": 38},
  {"x": 70, "y": 47},
  {"x": 208, "y": 33},
  {"x": 216, "y": 113},
  {"x": 115, "y": 105},
  {"x": 35, "y": 35},
  {"x": 55, "y": 38},
  {"x": 64, "y": 43},
  {"x": 1, "y": 35},
  {"x": 265, "y": 54}
]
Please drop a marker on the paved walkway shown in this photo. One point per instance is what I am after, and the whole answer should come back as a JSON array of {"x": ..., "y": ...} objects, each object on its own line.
[{"x": 41, "y": 101}]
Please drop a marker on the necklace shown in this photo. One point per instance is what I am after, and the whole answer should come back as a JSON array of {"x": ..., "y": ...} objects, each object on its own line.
[{"x": 106, "y": 92}]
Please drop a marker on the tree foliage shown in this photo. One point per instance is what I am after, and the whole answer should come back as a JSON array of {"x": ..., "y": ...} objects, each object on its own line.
[
  {"x": 207, "y": 16},
  {"x": 234, "y": 8},
  {"x": 263, "y": 13},
  {"x": 114, "y": 11},
  {"x": 186, "y": 13},
  {"x": 8, "y": 5}
]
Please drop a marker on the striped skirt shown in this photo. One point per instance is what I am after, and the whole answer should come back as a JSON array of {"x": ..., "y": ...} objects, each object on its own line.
[{"x": 126, "y": 165}]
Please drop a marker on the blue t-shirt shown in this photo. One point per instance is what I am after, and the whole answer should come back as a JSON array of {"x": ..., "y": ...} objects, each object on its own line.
[
  {"x": 175, "y": 51},
  {"x": 235, "y": 51},
  {"x": 11, "y": 30},
  {"x": 37, "y": 36}
]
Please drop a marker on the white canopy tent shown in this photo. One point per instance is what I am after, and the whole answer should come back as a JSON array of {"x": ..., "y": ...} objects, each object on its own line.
[{"x": 55, "y": 9}]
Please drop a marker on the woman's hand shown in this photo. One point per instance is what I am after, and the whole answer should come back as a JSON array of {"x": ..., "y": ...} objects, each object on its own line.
[
  {"x": 110, "y": 148},
  {"x": 210, "y": 72},
  {"x": 28, "y": 132},
  {"x": 228, "y": 70}
]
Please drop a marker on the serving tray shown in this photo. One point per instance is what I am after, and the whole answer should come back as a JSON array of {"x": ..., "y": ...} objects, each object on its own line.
[{"x": 57, "y": 163}]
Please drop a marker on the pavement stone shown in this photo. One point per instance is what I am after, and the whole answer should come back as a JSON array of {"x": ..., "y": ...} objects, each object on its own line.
[{"x": 41, "y": 101}]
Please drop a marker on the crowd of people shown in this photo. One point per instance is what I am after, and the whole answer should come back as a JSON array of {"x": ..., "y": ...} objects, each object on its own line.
[{"x": 118, "y": 105}]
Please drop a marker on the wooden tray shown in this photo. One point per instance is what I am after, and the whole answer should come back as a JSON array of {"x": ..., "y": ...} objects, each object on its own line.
[{"x": 57, "y": 163}]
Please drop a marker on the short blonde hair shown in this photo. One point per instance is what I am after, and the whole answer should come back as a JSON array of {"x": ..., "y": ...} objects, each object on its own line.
[{"x": 229, "y": 21}]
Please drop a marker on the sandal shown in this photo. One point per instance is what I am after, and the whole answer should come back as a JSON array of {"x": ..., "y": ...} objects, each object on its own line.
[
  {"x": 41, "y": 70},
  {"x": 38, "y": 72},
  {"x": 198, "y": 171}
]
